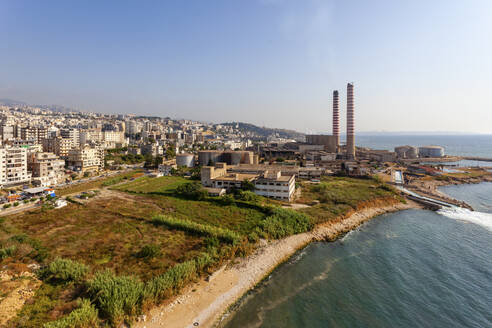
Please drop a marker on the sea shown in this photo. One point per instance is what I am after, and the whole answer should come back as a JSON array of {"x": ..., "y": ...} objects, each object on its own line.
[{"x": 413, "y": 268}]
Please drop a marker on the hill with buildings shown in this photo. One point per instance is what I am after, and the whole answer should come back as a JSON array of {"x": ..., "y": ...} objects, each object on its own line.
[{"x": 266, "y": 132}]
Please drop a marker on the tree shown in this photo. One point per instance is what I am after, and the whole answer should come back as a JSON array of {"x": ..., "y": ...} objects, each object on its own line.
[
  {"x": 247, "y": 185},
  {"x": 157, "y": 161},
  {"x": 170, "y": 152},
  {"x": 192, "y": 190}
]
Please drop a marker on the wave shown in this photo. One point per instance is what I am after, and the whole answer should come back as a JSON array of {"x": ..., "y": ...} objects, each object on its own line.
[{"x": 463, "y": 214}]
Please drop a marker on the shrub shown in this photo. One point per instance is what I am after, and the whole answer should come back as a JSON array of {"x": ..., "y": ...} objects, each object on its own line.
[
  {"x": 149, "y": 252},
  {"x": 7, "y": 205},
  {"x": 83, "y": 317},
  {"x": 16, "y": 203},
  {"x": 116, "y": 296},
  {"x": 7, "y": 251},
  {"x": 64, "y": 270},
  {"x": 227, "y": 200},
  {"x": 191, "y": 190},
  {"x": 26, "y": 201},
  {"x": 285, "y": 222},
  {"x": 247, "y": 196},
  {"x": 197, "y": 228},
  {"x": 171, "y": 281}
]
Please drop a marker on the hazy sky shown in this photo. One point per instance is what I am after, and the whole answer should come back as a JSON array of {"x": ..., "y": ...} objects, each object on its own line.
[{"x": 417, "y": 65}]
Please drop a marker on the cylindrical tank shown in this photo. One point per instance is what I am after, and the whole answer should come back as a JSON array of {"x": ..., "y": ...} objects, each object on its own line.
[
  {"x": 431, "y": 151},
  {"x": 401, "y": 151},
  {"x": 412, "y": 152},
  {"x": 205, "y": 157},
  {"x": 236, "y": 157},
  {"x": 187, "y": 160}
]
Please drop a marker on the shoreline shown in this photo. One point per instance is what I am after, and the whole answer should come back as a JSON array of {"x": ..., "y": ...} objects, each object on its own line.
[{"x": 205, "y": 302}]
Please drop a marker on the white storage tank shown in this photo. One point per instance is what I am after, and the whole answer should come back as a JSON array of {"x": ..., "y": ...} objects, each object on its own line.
[
  {"x": 187, "y": 160},
  {"x": 431, "y": 151}
]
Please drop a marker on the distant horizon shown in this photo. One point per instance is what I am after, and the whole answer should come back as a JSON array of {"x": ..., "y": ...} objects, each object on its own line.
[{"x": 342, "y": 133}]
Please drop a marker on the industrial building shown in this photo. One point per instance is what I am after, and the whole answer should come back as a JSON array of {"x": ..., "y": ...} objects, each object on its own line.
[
  {"x": 272, "y": 184},
  {"x": 328, "y": 142},
  {"x": 207, "y": 157}
]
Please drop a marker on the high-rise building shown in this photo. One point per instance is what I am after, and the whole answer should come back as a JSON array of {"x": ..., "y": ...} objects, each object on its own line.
[
  {"x": 336, "y": 118},
  {"x": 350, "y": 122}
]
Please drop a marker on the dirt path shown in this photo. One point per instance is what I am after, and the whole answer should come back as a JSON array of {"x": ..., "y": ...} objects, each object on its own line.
[{"x": 22, "y": 288}]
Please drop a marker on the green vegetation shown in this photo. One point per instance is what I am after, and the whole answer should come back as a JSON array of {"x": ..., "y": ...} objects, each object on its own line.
[
  {"x": 149, "y": 252},
  {"x": 76, "y": 188},
  {"x": 116, "y": 296},
  {"x": 83, "y": 317},
  {"x": 336, "y": 196},
  {"x": 197, "y": 228},
  {"x": 173, "y": 280},
  {"x": 191, "y": 190},
  {"x": 161, "y": 185},
  {"x": 7, "y": 251},
  {"x": 285, "y": 222},
  {"x": 64, "y": 270},
  {"x": 155, "y": 236}
]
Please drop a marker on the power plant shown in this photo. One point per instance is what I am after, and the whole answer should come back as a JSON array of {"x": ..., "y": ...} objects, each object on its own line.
[
  {"x": 331, "y": 143},
  {"x": 350, "y": 122}
]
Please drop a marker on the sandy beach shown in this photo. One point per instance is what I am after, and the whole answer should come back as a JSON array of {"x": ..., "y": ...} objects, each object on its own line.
[{"x": 204, "y": 303}]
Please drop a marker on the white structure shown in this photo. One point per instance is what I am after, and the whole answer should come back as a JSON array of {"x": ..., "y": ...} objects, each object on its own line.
[
  {"x": 13, "y": 166},
  {"x": 275, "y": 185},
  {"x": 187, "y": 160},
  {"x": 47, "y": 169},
  {"x": 431, "y": 151},
  {"x": 86, "y": 158}
]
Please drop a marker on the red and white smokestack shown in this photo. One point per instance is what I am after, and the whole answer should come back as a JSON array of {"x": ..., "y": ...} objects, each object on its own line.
[
  {"x": 350, "y": 122},
  {"x": 336, "y": 118}
]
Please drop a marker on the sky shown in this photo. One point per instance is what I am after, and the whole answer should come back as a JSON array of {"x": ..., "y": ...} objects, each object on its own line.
[{"x": 416, "y": 65}]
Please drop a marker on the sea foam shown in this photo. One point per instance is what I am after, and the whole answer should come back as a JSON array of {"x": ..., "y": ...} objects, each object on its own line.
[{"x": 463, "y": 214}]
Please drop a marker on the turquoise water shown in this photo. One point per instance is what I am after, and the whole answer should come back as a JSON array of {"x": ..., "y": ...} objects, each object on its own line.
[{"x": 413, "y": 268}]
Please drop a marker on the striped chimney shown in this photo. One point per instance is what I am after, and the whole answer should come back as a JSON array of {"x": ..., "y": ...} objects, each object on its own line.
[
  {"x": 336, "y": 118},
  {"x": 350, "y": 122}
]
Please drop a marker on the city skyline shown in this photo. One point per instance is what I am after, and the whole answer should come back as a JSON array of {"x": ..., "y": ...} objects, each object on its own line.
[{"x": 263, "y": 62}]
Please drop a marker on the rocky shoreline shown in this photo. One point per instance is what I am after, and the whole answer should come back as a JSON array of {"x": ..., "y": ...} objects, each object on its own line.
[{"x": 204, "y": 303}]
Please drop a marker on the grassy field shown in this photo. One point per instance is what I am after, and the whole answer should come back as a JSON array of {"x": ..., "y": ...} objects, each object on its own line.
[
  {"x": 164, "y": 185},
  {"x": 335, "y": 196},
  {"x": 96, "y": 184},
  {"x": 153, "y": 241}
]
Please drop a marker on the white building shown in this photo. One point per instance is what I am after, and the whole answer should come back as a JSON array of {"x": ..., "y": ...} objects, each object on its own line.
[
  {"x": 47, "y": 169},
  {"x": 275, "y": 185},
  {"x": 13, "y": 166}
]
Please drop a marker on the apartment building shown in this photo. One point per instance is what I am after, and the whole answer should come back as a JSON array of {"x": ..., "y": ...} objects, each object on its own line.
[
  {"x": 13, "y": 166},
  {"x": 86, "y": 158},
  {"x": 72, "y": 134},
  {"x": 59, "y": 146},
  {"x": 33, "y": 133},
  {"x": 47, "y": 169}
]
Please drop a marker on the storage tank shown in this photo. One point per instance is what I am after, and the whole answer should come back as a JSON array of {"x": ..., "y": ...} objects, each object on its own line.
[
  {"x": 187, "y": 160},
  {"x": 431, "y": 151},
  {"x": 401, "y": 151},
  {"x": 412, "y": 152},
  {"x": 207, "y": 156}
]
